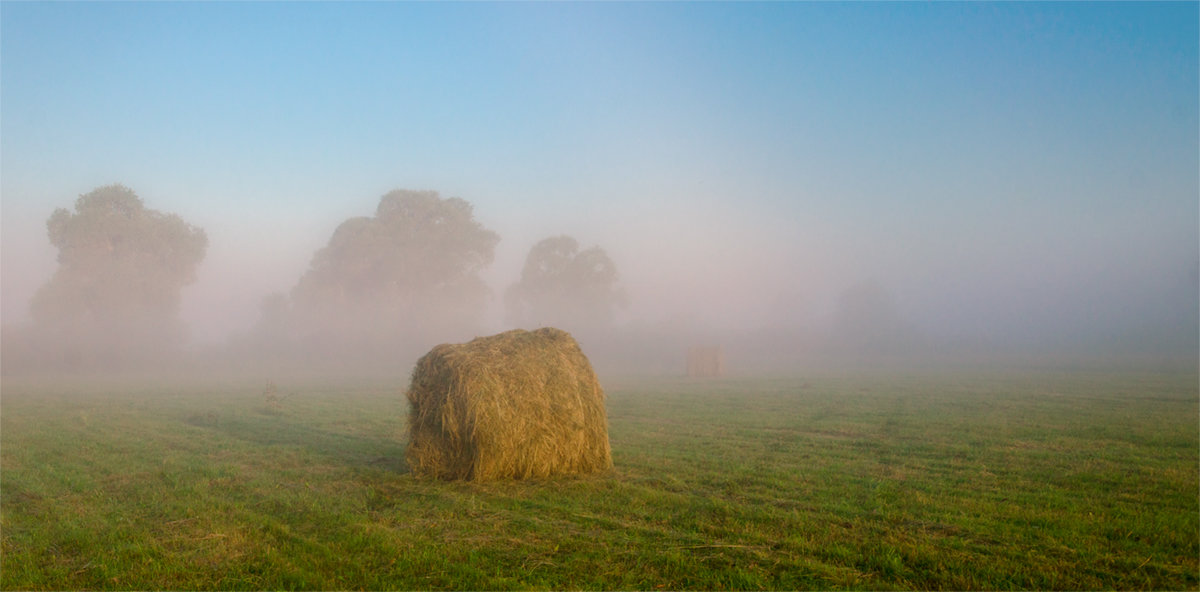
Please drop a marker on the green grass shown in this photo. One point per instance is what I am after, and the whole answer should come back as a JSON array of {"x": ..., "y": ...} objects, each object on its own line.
[{"x": 964, "y": 481}]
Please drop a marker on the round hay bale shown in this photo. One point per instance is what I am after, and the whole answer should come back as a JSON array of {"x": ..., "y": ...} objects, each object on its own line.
[{"x": 515, "y": 405}]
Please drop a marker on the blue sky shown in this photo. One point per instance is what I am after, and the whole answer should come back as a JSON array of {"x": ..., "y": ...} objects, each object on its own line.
[{"x": 992, "y": 164}]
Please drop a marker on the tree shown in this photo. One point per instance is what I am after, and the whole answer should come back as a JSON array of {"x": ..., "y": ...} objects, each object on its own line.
[
  {"x": 121, "y": 268},
  {"x": 867, "y": 321},
  {"x": 412, "y": 268},
  {"x": 563, "y": 286}
]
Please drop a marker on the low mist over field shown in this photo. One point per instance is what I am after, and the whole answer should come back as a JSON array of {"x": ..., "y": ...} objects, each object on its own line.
[{"x": 331, "y": 187}]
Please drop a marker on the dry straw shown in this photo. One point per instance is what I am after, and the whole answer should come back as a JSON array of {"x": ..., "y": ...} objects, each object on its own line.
[
  {"x": 706, "y": 361},
  {"x": 515, "y": 405}
]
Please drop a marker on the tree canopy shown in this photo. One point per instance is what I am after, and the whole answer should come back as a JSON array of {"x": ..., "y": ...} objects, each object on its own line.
[
  {"x": 121, "y": 268},
  {"x": 411, "y": 267},
  {"x": 867, "y": 321},
  {"x": 563, "y": 286}
]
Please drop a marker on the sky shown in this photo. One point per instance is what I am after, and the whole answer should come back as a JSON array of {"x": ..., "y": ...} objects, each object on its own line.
[{"x": 1007, "y": 171}]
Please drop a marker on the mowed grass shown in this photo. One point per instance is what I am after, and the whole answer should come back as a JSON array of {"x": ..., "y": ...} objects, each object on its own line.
[{"x": 1038, "y": 480}]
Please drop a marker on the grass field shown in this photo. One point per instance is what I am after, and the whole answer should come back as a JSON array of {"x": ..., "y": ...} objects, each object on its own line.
[{"x": 1043, "y": 480}]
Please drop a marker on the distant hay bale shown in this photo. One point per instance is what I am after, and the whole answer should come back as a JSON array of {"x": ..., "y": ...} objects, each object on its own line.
[
  {"x": 706, "y": 361},
  {"x": 515, "y": 405}
]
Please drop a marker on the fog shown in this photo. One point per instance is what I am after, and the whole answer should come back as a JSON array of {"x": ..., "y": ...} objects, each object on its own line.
[
  {"x": 778, "y": 297},
  {"x": 1035, "y": 202}
]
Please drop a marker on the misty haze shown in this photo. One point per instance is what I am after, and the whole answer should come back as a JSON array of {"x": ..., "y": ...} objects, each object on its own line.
[
  {"x": 386, "y": 287},
  {"x": 864, "y": 266}
]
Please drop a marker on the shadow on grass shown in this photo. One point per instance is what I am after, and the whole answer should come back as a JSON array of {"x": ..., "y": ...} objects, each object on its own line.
[{"x": 383, "y": 453}]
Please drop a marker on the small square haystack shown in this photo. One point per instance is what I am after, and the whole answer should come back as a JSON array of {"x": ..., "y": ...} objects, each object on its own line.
[
  {"x": 515, "y": 405},
  {"x": 706, "y": 361}
]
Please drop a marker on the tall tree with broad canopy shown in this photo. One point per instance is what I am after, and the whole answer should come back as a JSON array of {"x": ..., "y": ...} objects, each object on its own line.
[
  {"x": 867, "y": 321},
  {"x": 565, "y": 287},
  {"x": 410, "y": 271},
  {"x": 121, "y": 267}
]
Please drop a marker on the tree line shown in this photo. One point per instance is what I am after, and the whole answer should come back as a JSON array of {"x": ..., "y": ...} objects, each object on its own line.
[{"x": 405, "y": 277}]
